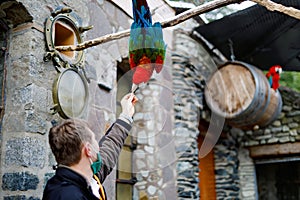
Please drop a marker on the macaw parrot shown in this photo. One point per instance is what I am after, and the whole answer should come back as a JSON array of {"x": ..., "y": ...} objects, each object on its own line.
[
  {"x": 273, "y": 76},
  {"x": 146, "y": 45}
]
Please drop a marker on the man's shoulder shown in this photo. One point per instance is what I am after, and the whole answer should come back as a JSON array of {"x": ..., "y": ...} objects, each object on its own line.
[{"x": 60, "y": 189}]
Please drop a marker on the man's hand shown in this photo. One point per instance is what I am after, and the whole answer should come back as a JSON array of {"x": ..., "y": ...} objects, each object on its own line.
[{"x": 127, "y": 104}]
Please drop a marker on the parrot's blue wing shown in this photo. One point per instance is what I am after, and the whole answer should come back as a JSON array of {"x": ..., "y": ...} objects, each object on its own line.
[{"x": 270, "y": 81}]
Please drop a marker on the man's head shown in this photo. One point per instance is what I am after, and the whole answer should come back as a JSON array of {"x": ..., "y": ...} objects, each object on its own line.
[{"x": 68, "y": 139}]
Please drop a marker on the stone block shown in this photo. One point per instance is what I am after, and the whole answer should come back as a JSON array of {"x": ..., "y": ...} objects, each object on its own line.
[
  {"x": 286, "y": 120},
  {"x": 151, "y": 190},
  {"x": 47, "y": 177},
  {"x": 23, "y": 181},
  {"x": 285, "y": 128},
  {"x": 251, "y": 143},
  {"x": 272, "y": 140},
  {"x": 293, "y": 125},
  {"x": 276, "y": 123},
  {"x": 263, "y": 137},
  {"x": 25, "y": 101},
  {"x": 284, "y": 139},
  {"x": 23, "y": 95},
  {"x": 293, "y": 113},
  {"x": 267, "y": 131},
  {"x": 293, "y": 132},
  {"x": 186, "y": 194},
  {"x": 286, "y": 108},
  {"x": 26, "y": 151},
  {"x": 35, "y": 123},
  {"x": 282, "y": 135},
  {"x": 20, "y": 197},
  {"x": 184, "y": 166},
  {"x": 14, "y": 121},
  {"x": 276, "y": 129}
]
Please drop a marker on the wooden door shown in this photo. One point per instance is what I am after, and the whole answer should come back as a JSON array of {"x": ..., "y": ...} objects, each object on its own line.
[{"x": 207, "y": 183}]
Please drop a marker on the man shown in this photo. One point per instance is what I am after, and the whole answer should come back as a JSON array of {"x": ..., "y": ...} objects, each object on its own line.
[{"x": 83, "y": 164}]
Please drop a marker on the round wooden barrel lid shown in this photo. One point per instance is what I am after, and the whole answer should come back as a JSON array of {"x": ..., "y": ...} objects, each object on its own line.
[{"x": 230, "y": 90}]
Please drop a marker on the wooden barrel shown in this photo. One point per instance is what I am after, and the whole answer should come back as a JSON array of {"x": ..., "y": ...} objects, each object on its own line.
[{"x": 241, "y": 94}]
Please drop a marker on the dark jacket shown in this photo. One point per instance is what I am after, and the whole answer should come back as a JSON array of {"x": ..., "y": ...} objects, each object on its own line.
[{"x": 67, "y": 184}]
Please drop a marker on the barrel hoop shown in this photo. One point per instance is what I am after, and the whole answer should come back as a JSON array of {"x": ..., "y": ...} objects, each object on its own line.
[
  {"x": 258, "y": 117},
  {"x": 279, "y": 108}
]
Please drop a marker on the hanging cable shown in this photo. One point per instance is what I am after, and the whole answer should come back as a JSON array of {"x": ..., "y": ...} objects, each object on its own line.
[{"x": 230, "y": 43}]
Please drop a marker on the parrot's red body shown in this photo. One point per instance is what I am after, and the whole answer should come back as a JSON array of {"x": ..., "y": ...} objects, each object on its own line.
[
  {"x": 273, "y": 76},
  {"x": 146, "y": 45}
]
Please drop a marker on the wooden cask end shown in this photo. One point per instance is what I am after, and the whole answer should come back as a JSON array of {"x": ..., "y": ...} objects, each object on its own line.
[{"x": 241, "y": 93}]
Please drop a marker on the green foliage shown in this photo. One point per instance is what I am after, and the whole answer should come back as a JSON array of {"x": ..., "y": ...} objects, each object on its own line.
[{"x": 291, "y": 80}]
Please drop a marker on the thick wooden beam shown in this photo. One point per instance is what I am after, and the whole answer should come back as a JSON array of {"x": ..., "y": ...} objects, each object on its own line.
[{"x": 274, "y": 150}]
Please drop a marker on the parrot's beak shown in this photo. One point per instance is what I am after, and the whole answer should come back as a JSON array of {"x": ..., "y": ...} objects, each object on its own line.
[{"x": 278, "y": 70}]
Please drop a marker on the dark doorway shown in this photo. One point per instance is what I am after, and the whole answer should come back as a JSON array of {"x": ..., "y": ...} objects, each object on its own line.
[{"x": 278, "y": 180}]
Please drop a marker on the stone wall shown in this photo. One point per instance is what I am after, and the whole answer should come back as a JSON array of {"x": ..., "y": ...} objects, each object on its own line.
[
  {"x": 226, "y": 168},
  {"x": 234, "y": 166},
  {"x": 26, "y": 160},
  {"x": 28, "y": 99},
  {"x": 247, "y": 175},
  {"x": 284, "y": 130},
  {"x": 191, "y": 64}
]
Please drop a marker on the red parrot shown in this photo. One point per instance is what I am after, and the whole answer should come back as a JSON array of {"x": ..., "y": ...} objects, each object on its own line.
[
  {"x": 146, "y": 45},
  {"x": 274, "y": 75}
]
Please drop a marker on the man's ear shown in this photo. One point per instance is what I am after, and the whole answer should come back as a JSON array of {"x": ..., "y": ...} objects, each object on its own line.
[{"x": 88, "y": 150}]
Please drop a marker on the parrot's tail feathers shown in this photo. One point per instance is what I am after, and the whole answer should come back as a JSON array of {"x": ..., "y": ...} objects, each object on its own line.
[{"x": 141, "y": 13}]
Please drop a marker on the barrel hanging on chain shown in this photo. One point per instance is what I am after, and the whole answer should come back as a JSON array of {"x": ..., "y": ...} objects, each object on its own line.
[{"x": 241, "y": 93}]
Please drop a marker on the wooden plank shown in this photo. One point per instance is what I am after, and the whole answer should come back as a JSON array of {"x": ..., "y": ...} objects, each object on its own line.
[{"x": 275, "y": 150}]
